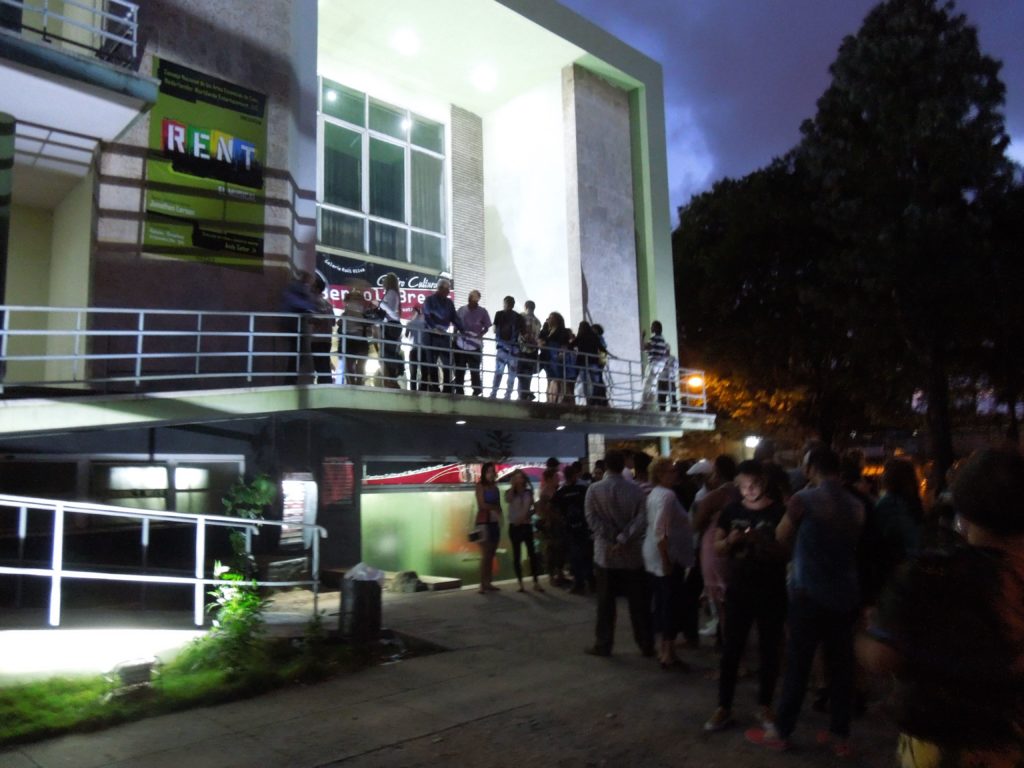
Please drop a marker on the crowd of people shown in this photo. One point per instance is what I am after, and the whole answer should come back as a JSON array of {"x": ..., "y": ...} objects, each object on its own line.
[
  {"x": 446, "y": 344},
  {"x": 840, "y": 579}
]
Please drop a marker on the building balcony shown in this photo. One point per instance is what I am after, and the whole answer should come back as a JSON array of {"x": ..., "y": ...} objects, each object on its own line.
[{"x": 96, "y": 368}]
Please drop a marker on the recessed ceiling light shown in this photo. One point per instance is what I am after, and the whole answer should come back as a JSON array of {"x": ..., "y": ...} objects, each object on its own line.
[
  {"x": 484, "y": 78},
  {"x": 460, "y": 422},
  {"x": 560, "y": 427},
  {"x": 406, "y": 42}
]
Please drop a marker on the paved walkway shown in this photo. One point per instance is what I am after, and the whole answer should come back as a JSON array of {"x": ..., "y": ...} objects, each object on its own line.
[{"x": 514, "y": 690}]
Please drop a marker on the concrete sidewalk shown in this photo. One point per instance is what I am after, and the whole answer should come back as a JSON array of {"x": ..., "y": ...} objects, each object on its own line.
[{"x": 514, "y": 689}]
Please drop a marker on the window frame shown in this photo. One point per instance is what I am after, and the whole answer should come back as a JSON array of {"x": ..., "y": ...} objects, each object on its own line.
[{"x": 366, "y": 135}]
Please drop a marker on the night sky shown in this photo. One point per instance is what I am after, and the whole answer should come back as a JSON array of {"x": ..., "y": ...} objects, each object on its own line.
[{"x": 741, "y": 75}]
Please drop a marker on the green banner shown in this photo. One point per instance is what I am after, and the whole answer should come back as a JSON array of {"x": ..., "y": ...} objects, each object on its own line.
[{"x": 204, "y": 193}]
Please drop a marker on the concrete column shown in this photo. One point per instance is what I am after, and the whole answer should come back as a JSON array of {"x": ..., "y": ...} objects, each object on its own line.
[
  {"x": 6, "y": 180},
  {"x": 595, "y": 448}
]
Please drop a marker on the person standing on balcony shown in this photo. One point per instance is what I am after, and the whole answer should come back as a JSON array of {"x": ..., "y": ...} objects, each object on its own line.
[
  {"x": 469, "y": 345},
  {"x": 321, "y": 332},
  {"x": 508, "y": 324},
  {"x": 297, "y": 298},
  {"x": 588, "y": 363},
  {"x": 391, "y": 308},
  {"x": 528, "y": 350},
  {"x": 555, "y": 340},
  {"x": 414, "y": 330},
  {"x": 438, "y": 315},
  {"x": 657, "y": 359},
  {"x": 355, "y": 331}
]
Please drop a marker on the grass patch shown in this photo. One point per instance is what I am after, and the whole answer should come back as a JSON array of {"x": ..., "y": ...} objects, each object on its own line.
[{"x": 39, "y": 710}]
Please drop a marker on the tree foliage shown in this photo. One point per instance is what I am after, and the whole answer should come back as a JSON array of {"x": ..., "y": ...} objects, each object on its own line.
[{"x": 857, "y": 268}]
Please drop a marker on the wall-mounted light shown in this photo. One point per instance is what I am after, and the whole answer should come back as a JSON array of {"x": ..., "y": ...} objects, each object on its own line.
[{"x": 695, "y": 382}]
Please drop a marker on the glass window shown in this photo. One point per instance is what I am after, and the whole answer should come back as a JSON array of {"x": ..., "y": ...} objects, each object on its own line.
[
  {"x": 387, "y": 180},
  {"x": 343, "y": 103},
  {"x": 386, "y": 119},
  {"x": 427, "y": 192},
  {"x": 428, "y": 251},
  {"x": 343, "y": 161},
  {"x": 383, "y": 174},
  {"x": 428, "y": 135},
  {"x": 387, "y": 242},
  {"x": 339, "y": 230}
]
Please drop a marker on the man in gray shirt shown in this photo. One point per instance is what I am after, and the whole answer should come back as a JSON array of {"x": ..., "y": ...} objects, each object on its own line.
[{"x": 616, "y": 513}]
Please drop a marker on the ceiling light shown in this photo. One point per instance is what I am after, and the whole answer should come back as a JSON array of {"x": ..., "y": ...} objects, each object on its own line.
[
  {"x": 560, "y": 427},
  {"x": 484, "y": 78},
  {"x": 460, "y": 422},
  {"x": 406, "y": 42},
  {"x": 331, "y": 96}
]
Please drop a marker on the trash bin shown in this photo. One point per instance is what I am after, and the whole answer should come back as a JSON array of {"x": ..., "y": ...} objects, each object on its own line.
[{"x": 360, "y": 615}]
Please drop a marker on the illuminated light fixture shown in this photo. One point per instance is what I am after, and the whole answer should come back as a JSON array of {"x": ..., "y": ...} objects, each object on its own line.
[
  {"x": 484, "y": 78},
  {"x": 331, "y": 96},
  {"x": 460, "y": 422},
  {"x": 406, "y": 42},
  {"x": 372, "y": 367},
  {"x": 406, "y": 124},
  {"x": 752, "y": 441},
  {"x": 560, "y": 427},
  {"x": 695, "y": 382}
]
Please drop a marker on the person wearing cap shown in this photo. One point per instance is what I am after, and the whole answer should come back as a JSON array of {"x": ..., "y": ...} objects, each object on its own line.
[{"x": 950, "y": 629}]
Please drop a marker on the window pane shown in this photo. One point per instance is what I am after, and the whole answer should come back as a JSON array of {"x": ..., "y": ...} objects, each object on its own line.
[
  {"x": 388, "y": 120},
  {"x": 343, "y": 155},
  {"x": 339, "y": 230},
  {"x": 427, "y": 134},
  {"x": 387, "y": 242},
  {"x": 343, "y": 103},
  {"x": 387, "y": 180},
  {"x": 427, "y": 192},
  {"x": 428, "y": 251}
]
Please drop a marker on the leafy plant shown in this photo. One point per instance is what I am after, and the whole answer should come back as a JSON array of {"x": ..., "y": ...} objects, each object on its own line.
[{"x": 247, "y": 500}]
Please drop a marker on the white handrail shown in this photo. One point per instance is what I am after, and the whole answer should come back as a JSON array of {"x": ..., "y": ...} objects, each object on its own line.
[
  {"x": 153, "y": 348},
  {"x": 56, "y": 572}
]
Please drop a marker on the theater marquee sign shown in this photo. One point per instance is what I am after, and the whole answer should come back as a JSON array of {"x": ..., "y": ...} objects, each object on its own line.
[{"x": 204, "y": 186}]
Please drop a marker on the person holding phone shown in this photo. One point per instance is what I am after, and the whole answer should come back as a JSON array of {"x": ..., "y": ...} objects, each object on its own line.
[{"x": 755, "y": 591}]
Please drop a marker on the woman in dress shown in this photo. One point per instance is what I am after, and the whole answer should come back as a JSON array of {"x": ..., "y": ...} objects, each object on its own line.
[
  {"x": 668, "y": 553},
  {"x": 555, "y": 340},
  {"x": 519, "y": 500},
  {"x": 488, "y": 514}
]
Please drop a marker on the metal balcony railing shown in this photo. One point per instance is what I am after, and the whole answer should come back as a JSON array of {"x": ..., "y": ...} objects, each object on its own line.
[
  {"x": 127, "y": 350},
  {"x": 108, "y": 29},
  {"x": 57, "y": 512}
]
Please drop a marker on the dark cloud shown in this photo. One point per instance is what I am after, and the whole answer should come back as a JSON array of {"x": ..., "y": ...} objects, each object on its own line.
[{"x": 740, "y": 76}]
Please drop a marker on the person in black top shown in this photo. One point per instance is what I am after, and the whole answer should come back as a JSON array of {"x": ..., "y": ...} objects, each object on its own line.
[
  {"x": 555, "y": 340},
  {"x": 508, "y": 324},
  {"x": 569, "y": 501},
  {"x": 755, "y": 592}
]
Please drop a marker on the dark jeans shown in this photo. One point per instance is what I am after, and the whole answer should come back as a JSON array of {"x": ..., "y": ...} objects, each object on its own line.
[
  {"x": 742, "y": 611},
  {"x": 689, "y": 604},
  {"x": 518, "y": 535},
  {"x": 391, "y": 352},
  {"x": 525, "y": 370},
  {"x": 415, "y": 370},
  {"x": 809, "y": 625},
  {"x": 633, "y": 585},
  {"x": 468, "y": 360},
  {"x": 667, "y": 593},
  {"x": 581, "y": 561},
  {"x": 321, "y": 351}
]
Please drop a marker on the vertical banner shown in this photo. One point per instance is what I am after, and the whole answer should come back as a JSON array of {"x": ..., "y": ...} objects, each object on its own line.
[{"x": 204, "y": 192}]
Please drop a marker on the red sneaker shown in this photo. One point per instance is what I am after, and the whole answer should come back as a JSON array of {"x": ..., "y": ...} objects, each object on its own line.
[{"x": 768, "y": 738}]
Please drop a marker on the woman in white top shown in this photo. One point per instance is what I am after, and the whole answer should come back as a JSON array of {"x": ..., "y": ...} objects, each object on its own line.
[
  {"x": 519, "y": 501},
  {"x": 668, "y": 552},
  {"x": 391, "y": 307}
]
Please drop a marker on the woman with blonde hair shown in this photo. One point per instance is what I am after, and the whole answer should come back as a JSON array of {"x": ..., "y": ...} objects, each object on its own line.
[{"x": 668, "y": 553}]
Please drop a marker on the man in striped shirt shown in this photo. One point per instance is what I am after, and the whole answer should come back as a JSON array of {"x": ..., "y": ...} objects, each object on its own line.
[{"x": 658, "y": 358}]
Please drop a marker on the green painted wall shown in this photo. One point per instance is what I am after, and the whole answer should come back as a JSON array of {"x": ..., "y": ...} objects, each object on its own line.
[{"x": 28, "y": 264}]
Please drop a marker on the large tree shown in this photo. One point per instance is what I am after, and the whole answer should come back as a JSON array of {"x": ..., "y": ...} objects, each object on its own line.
[{"x": 907, "y": 146}]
